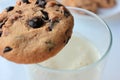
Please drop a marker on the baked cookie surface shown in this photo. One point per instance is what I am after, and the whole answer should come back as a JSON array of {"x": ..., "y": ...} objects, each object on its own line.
[{"x": 34, "y": 30}]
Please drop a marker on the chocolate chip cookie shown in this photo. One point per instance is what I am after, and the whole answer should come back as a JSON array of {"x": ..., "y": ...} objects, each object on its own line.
[
  {"x": 34, "y": 30},
  {"x": 106, "y": 3},
  {"x": 90, "y": 5}
]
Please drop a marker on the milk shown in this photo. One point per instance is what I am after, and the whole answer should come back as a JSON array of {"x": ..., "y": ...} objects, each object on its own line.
[
  {"x": 77, "y": 53},
  {"x": 70, "y": 63}
]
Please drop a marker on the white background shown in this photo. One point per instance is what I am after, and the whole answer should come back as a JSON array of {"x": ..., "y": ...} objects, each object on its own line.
[
  {"x": 112, "y": 69},
  {"x": 11, "y": 71}
]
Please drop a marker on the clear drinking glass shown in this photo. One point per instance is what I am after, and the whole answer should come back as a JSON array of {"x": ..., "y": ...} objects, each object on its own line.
[{"x": 94, "y": 30}]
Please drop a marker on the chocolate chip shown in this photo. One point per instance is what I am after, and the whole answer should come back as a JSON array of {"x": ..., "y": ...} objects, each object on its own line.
[
  {"x": 59, "y": 5},
  {"x": 50, "y": 45},
  {"x": 19, "y": 12},
  {"x": 41, "y": 3},
  {"x": 66, "y": 32},
  {"x": 2, "y": 23},
  {"x": 25, "y": 1},
  {"x": 50, "y": 28},
  {"x": 36, "y": 22},
  {"x": 108, "y": 1},
  {"x": 7, "y": 49},
  {"x": 66, "y": 13},
  {"x": 0, "y": 33},
  {"x": 9, "y": 8},
  {"x": 45, "y": 15},
  {"x": 51, "y": 48},
  {"x": 66, "y": 41},
  {"x": 57, "y": 10},
  {"x": 52, "y": 23}
]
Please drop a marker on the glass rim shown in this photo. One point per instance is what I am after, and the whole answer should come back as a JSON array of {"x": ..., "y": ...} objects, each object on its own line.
[{"x": 96, "y": 62}]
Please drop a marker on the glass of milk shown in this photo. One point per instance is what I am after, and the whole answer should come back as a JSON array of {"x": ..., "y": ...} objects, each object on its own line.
[{"x": 85, "y": 55}]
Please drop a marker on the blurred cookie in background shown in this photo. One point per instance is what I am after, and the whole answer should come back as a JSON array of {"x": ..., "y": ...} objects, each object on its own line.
[
  {"x": 86, "y": 4},
  {"x": 91, "y": 5},
  {"x": 106, "y": 3}
]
